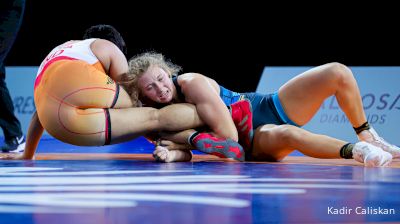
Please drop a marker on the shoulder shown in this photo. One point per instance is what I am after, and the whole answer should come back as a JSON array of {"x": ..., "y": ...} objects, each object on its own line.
[
  {"x": 105, "y": 51},
  {"x": 104, "y": 45},
  {"x": 189, "y": 78}
]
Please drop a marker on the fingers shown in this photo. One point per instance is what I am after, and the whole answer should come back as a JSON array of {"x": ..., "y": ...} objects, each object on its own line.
[
  {"x": 161, "y": 154},
  {"x": 15, "y": 156},
  {"x": 156, "y": 142},
  {"x": 8, "y": 156}
]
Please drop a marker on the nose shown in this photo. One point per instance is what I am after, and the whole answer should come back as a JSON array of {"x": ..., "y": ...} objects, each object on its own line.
[{"x": 158, "y": 86}]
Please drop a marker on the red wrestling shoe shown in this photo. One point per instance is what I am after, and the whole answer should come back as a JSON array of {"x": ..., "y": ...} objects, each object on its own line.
[
  {"x": 242, "y": 116},
  {"x": 223, "y": 148}
]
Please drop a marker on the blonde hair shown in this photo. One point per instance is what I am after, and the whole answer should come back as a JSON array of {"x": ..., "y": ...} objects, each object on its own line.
[{"x": 138, "y": 65}]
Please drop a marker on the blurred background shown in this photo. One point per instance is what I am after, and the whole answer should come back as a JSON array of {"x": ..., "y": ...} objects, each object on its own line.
[{"x": 229, "y": 41}]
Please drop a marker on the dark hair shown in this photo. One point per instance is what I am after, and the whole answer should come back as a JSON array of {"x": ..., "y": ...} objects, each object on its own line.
[{"x": 106, "y": 32}]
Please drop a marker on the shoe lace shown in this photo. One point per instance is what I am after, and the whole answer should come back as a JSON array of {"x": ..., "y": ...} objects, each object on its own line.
[{"x": 381, "y": 141}]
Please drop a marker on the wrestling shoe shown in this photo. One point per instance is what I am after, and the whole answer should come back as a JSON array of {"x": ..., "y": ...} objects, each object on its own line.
[
  {"x": 16, "y": 144},
  {"x": 223, "y": 148},
  {"x": 371, "y": 155},
  {"x": 242, "y": 116},
  {"x": 372, "y": 137}
]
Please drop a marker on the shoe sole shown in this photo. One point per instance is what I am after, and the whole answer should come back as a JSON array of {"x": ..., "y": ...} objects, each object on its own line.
[{"x": 19, "y": 149}]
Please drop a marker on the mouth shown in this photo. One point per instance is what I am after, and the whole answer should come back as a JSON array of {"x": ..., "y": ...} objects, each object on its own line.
[{"x": 164, "y": 95}]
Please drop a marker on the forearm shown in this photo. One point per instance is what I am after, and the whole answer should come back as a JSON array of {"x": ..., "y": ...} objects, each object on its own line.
[
  {"x": 181, "y": 155},
  {"x": 178, "y": 137},
  {"x": 34, "y": 134}
]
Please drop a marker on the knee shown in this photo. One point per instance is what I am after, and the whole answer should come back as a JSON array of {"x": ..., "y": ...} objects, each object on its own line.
[
  {"x": 155, "y": 119},
  {"x": 340, "y": 73},
  {"x": 280, "y": 133},
  {"x": 288, "y": 134}
]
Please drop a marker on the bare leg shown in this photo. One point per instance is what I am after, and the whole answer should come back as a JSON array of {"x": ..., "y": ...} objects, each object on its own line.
[
  {"x": 273, "y": 143},
  {"x": 178, "y": 117},
  {"x": 89, "y": 126},
  {"x": 302, "y": 96},
  {"x": 130, "y": 123}
]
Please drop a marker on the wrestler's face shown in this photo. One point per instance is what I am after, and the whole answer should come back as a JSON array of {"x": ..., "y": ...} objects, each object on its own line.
[{"x": 156, "y": 85}]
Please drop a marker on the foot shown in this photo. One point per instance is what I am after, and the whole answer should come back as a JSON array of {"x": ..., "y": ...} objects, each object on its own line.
[
  {"x": 242, "y": 115},
  {"x": 223, "y": 148},
  {"x": 373, "y": 138},
  {"x": 16, "y": 144},
  {"x": 371, "y": 155}
]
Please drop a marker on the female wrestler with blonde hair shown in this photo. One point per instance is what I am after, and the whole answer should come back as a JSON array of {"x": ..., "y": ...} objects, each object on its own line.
[{"x": 277, "y": 117}]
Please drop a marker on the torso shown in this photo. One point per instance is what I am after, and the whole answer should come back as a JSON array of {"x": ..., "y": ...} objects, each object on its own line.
[{"x": 71, "y": 50}]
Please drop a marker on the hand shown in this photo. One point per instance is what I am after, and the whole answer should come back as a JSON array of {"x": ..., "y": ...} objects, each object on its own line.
[
  {"x": 14, "y": 156},
  {"x": 161, "y": 154}
]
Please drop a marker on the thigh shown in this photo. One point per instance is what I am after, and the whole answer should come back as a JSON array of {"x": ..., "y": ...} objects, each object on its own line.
[
  {"x": 268, "y": 144},
  {"x": 71, "y": 102},
  {"x": 96, "y": 126},
  {"x": 81, "y": 85},
  {"x": 302, "y": 96},
  {"x": 84, "y": 127}
]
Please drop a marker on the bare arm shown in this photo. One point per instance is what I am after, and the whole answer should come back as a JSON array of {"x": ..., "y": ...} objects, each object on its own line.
[
  {"x": 35, "y": 132},
  {"x": 178, "y": 137},
  {"x": 111, "y": 57},
  {"x": 204, "y": 93},
  {"x": 173, "y": 147}
]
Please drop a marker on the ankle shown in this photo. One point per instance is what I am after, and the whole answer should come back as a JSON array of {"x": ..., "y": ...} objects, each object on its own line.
[
  {"x": 191, "y": 138},
  {"x": 346, "y": 152},
  {"x": 363, "y": 127},
  {"x": 365, "y": 135}
]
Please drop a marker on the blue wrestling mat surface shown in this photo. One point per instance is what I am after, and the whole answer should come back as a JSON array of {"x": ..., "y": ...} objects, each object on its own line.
[
  {"x": 116, "y": 191},
  {"x": 205, "y": 191},
  {"x": 139, "y": 145}
]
